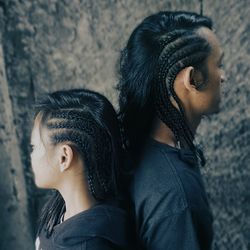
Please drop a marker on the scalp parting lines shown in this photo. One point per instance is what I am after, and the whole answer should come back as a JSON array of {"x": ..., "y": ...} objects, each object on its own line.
[
  {"x": 79, "y": 130},
  {"x": 83, "y": 144},
  {"x": 157, "y": 43},
  {"x": 77, "y": 120},
  {"x": 81, "y": 119},
  {"x": 177, "y": 50},
  {"x": 96, "y": 181},
  {"x": 179, "y": 43},
  {"x": 178, "y": 54},
  {"x": 171, "y": 36},
  {"x": 78, "y": 125},
  {"x": 76, "y": 114},
  {"x": 188, "y": 60}
]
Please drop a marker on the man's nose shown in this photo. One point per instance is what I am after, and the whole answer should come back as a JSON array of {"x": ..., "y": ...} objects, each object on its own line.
[{"x": 223, "y": 77}]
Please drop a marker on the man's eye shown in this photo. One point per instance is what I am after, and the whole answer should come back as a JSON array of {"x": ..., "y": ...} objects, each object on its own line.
[
  {"x": 221, "y": 65},
  {"x": 31, "y": 148}
]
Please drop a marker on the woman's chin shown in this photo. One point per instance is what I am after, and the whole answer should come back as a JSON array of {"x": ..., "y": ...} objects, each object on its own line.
[{"x": 42, "y": 185}]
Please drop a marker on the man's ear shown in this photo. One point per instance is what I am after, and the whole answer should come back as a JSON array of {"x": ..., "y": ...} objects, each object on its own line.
[
  {"x": 66, "y": 157},
  {"x": 193, "y": 79}
]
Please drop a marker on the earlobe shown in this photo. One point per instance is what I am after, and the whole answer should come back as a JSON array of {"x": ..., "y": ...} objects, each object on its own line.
[{"x": 63, "y": 167}]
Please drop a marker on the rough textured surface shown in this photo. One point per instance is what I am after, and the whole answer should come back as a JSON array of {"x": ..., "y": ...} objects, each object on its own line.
[
  {"x": 14, "y": 203},
  {"x": 226, "y": 136},
  {"x": 14, "y": 208},
  {"x": 55, "y": 44}
]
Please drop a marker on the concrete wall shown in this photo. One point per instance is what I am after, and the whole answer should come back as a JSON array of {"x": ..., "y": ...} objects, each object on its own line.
[
  {"x": 53, "y": 44},
  {"x": 226, "y": 136}
]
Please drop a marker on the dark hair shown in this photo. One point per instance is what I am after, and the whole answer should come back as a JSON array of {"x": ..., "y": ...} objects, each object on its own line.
[
  {"x": 88, "y": 122},
  {"x": 157, "y": 50}
]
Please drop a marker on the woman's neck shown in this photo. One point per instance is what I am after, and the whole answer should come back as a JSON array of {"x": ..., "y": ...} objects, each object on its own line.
[{"x": 76, "y": 196}]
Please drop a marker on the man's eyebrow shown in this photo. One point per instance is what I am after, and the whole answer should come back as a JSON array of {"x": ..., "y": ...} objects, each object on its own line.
[{"x": 222, "y": 55}]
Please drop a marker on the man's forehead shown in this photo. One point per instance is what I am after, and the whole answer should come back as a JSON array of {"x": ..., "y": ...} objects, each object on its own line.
[
  {"x": 209, "y": 35},
  {"x": 213, "y": 40}
]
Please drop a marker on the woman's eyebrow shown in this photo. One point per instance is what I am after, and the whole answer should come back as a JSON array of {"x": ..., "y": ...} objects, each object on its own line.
[{"x": 222, "y": 55}]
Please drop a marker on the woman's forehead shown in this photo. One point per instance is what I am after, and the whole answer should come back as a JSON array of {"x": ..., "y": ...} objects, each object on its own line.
[
  {"x": 35, "y": 134},
  {"x": 38, "y": 131}
]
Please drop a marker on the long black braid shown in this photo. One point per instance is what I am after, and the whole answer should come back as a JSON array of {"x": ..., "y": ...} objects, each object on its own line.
[
  {"x": 158, "y": 49},
  {"x": 87, "y": 122},
  {"x": 177, "y": 55}
]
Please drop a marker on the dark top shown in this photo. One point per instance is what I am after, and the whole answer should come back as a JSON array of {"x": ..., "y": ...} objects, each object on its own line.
[
  {"x": 169, "y": 201},
  {"x": 103, "y": 227}
]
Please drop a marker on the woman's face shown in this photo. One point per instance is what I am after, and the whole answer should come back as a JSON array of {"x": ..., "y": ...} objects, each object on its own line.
[{"x": 43, "y": 159}]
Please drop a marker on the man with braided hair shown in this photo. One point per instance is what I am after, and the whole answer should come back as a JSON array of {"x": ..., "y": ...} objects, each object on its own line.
[{"x": 170, "y": 77}]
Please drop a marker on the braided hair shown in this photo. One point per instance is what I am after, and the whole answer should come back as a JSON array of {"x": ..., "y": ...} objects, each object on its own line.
[
  {"x": 158, "y": 49},
  {"x": 86, "y": 121}
]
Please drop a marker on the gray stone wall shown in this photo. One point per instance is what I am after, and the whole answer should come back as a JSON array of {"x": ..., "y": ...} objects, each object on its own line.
[
  {"x": 226, "y": 136},
  {"x": 53, "y": 44}
]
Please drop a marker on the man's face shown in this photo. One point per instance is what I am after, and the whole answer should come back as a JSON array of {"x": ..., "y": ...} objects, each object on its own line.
[{"x": 208, "y": 99}]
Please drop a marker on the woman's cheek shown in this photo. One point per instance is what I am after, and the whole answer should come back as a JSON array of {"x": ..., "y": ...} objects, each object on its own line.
[
  {"x": 32, "y": 160},
  {"x": 36, "y": 162}
]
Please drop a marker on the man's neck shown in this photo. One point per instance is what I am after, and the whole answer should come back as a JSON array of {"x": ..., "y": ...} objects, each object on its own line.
[{"x": 162, "y": 133}]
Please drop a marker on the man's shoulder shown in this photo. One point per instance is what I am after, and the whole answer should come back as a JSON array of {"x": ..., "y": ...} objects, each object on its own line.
[
  {"x": 156, "y": 181},
  {"x": 157, "y": 167},
  {"x": 162, "y": 177}
]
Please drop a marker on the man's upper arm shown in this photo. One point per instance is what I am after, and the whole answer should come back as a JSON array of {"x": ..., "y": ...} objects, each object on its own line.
[
  {"x": 97, "y": 243},
  {"x": 176, "y": 231}
]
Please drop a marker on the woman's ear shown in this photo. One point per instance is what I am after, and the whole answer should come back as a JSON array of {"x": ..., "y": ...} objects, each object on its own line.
[{"x": 66, "y": 157}]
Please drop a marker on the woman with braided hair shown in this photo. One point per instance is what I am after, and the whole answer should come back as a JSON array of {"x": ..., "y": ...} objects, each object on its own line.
[
  {"x": 76, "y": 151},
  {"x": 170, "y": 76}
]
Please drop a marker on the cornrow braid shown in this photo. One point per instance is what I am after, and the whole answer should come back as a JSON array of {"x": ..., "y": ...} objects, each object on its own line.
[
  {"x": 157, "y": 50},
  {"x": 175, "y": 56},
  {"x": 81, "y": 144},
  {"x": 75, "y": 129},
  {"x": 86, "y": 121},
  {"x": 55, "y": 207},
  {"x": 168, "y": 38}
]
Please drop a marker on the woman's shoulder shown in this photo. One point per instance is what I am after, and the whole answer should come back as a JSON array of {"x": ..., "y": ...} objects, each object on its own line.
[
  {"x": 102, "y": 226},
  {"x": 98, "y": 243}
]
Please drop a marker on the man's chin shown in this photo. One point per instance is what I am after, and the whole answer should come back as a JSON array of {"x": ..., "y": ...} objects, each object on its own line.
[
  {"x": 216, "y": 111},
  {"x": 212, "y": 112}
]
